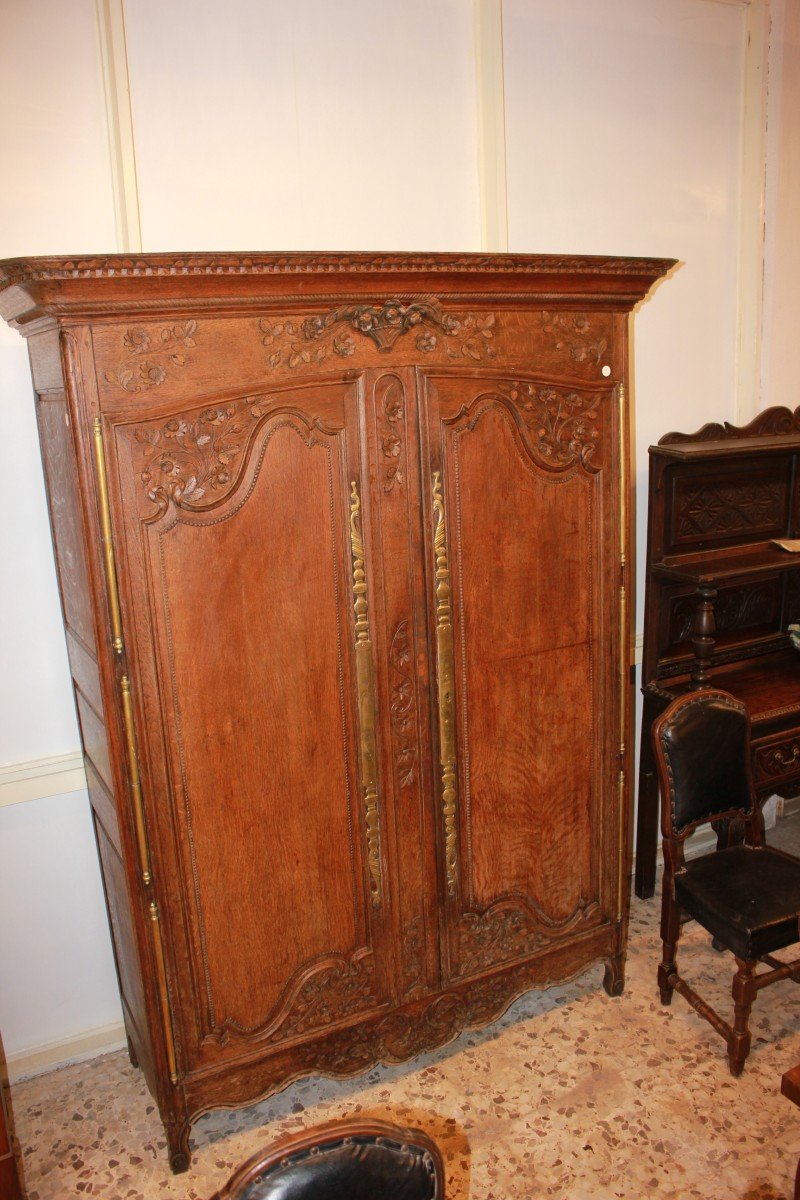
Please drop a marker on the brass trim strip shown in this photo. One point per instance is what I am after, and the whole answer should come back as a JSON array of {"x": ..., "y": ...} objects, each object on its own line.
[
  {"x": 135, "y": 781},
  {"x": 163, "y": 993},
  {"x": 445, "y": 679},
  {"x": 108, "y": 543},
  {"x": 365, "y": 684},
  {"x": 624, "y": 648}
]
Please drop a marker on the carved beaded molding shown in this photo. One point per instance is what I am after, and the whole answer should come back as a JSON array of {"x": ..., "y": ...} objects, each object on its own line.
[{"x": 121, "y": 266}]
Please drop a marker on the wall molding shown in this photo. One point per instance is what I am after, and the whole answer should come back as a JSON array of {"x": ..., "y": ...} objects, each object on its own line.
[
  {"x": 41, "y": 778},
  {"x": 48, "y": 1056},
  {"x": 119, "y": 118},
  {"x": 491, "y": 119},
  {"x": 750, "y": 267}
]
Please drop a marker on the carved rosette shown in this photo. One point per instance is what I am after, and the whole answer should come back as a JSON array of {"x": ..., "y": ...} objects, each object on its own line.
[
  {"x": 729, "y": 508},
  {"x": 149, "y": 356},
  {"x": 295, "y": 343}
]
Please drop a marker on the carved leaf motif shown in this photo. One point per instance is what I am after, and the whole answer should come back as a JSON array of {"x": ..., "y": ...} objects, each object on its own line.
[
  {"x": 391, "y": 433},
  {"x": 573, "y": 334},
  {"x": 152, "y": 370},
  {"x": 193, "y": 461},
  {"x": 562, "y": 422},
  {"x": 499, "y": 934},
  {"x": 403, "y": 707},
  {"x": 320, "y": 335},
  {"x": 328, "y": 996},
  {"x": 485, "y": 939},
  {"x": 412, "y": 954}
]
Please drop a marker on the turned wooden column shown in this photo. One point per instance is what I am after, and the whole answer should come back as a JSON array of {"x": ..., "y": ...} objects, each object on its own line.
[{"x": 703, "y": 630}]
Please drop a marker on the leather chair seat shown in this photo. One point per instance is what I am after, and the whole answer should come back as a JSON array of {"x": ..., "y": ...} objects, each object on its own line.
[{"x": 747, "y": 896}]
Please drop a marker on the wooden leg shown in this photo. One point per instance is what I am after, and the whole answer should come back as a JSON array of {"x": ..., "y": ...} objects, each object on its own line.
[
  {"x": 614, "y": 978},
  {"x": 744, "y": 993},
  {"x": 670, "y": 932}
]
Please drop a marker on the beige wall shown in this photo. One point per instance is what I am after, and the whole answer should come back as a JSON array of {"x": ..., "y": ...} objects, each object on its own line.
[{"x": 606, "y": 126}]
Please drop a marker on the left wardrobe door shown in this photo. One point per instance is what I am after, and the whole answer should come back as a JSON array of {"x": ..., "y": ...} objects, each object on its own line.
[{"x": 241, "y": 530}]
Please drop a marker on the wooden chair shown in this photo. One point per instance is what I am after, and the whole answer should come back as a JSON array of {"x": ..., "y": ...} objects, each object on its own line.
[
  {"x": 359, "y": 1160},
  {"x": 747, "y": 895}
]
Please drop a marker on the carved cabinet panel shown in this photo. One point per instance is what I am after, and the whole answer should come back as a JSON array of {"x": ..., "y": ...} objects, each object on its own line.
[{"x": 342, "y": 544}]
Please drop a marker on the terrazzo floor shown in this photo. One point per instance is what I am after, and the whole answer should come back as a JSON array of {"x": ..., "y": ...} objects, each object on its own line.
[{"x": 570, "y": 1094}]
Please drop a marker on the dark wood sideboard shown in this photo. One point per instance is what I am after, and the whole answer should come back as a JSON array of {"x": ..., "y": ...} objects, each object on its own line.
[
  {"x": 719, "y": 595},
  {"x": 342, "y": 545}
]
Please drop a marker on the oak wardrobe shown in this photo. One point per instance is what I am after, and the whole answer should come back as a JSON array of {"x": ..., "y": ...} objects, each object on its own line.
[{"x": 342, "y": 550}]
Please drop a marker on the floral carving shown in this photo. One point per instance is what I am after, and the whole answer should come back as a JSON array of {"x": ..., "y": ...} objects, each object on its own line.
[
  {"x": 412, "y": 954},
  {"x": 294, "y": 343},
  {"x": 502, "y": 933},
  {"x": 391, "y": 432},
  {"x": 337, "y": 991},
  {"x": 189, "y": 460},
  {"x": 560, "y": 421},
  {"x": 149, "y": 368},
  {"x": 403, "y": 707},
  {"x": 185, "y": 459},
  {"x": 573, "y": 334},
  {"x": 485, "y": 939}
]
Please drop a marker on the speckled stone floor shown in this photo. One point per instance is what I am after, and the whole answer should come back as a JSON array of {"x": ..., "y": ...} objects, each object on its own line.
[{"x": 570, "y": 1094}]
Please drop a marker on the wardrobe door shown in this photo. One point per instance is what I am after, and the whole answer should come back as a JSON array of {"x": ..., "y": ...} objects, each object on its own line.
[
  {"x": 524, "y": 590},
  {"x": 246, "y": 603}
]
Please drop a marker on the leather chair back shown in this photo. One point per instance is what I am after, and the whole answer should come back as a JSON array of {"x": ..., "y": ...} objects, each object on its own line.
[
  {"x": 348, "y": 1160},
  {"x": 704, "y": 741}
]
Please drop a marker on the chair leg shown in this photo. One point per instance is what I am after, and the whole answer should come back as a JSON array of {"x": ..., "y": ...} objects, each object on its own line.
[
  {"x": 744, "y": 993},
  {"x": 670, "y": 932}
]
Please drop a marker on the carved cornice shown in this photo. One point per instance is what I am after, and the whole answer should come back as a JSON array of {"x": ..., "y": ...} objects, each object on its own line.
[{"x": 113, "y": 266}]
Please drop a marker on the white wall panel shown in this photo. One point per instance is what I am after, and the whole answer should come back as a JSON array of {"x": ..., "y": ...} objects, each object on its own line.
[
  {"x": 624, "y": 127},
  {"x": 57, "y": 978},
  {"x": 262, "y": 125},
  {"x": 781, "y": 368},
  {"x": 57, "y": 974}
]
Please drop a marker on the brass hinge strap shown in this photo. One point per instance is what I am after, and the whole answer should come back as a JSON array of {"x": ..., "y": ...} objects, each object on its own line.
[
  {"x": 163, "y": 993},
  {"x": 365, "y": 684},
  {"x": 118, "y": 644},
  {"x": 624, "y": 647},
  {"x": 135, "y": 781},
  {"x": 445, "y": 677},
  {"x": 107, "y": 539}
]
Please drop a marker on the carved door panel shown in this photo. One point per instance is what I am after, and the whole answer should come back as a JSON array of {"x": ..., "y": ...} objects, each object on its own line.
[
  {"x": 521, "y": 513},
  {"x": 249, "y": 600}
]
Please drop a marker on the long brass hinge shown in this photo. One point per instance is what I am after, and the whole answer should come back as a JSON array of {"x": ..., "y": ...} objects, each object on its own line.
[{"x": 134, "y": 778}]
